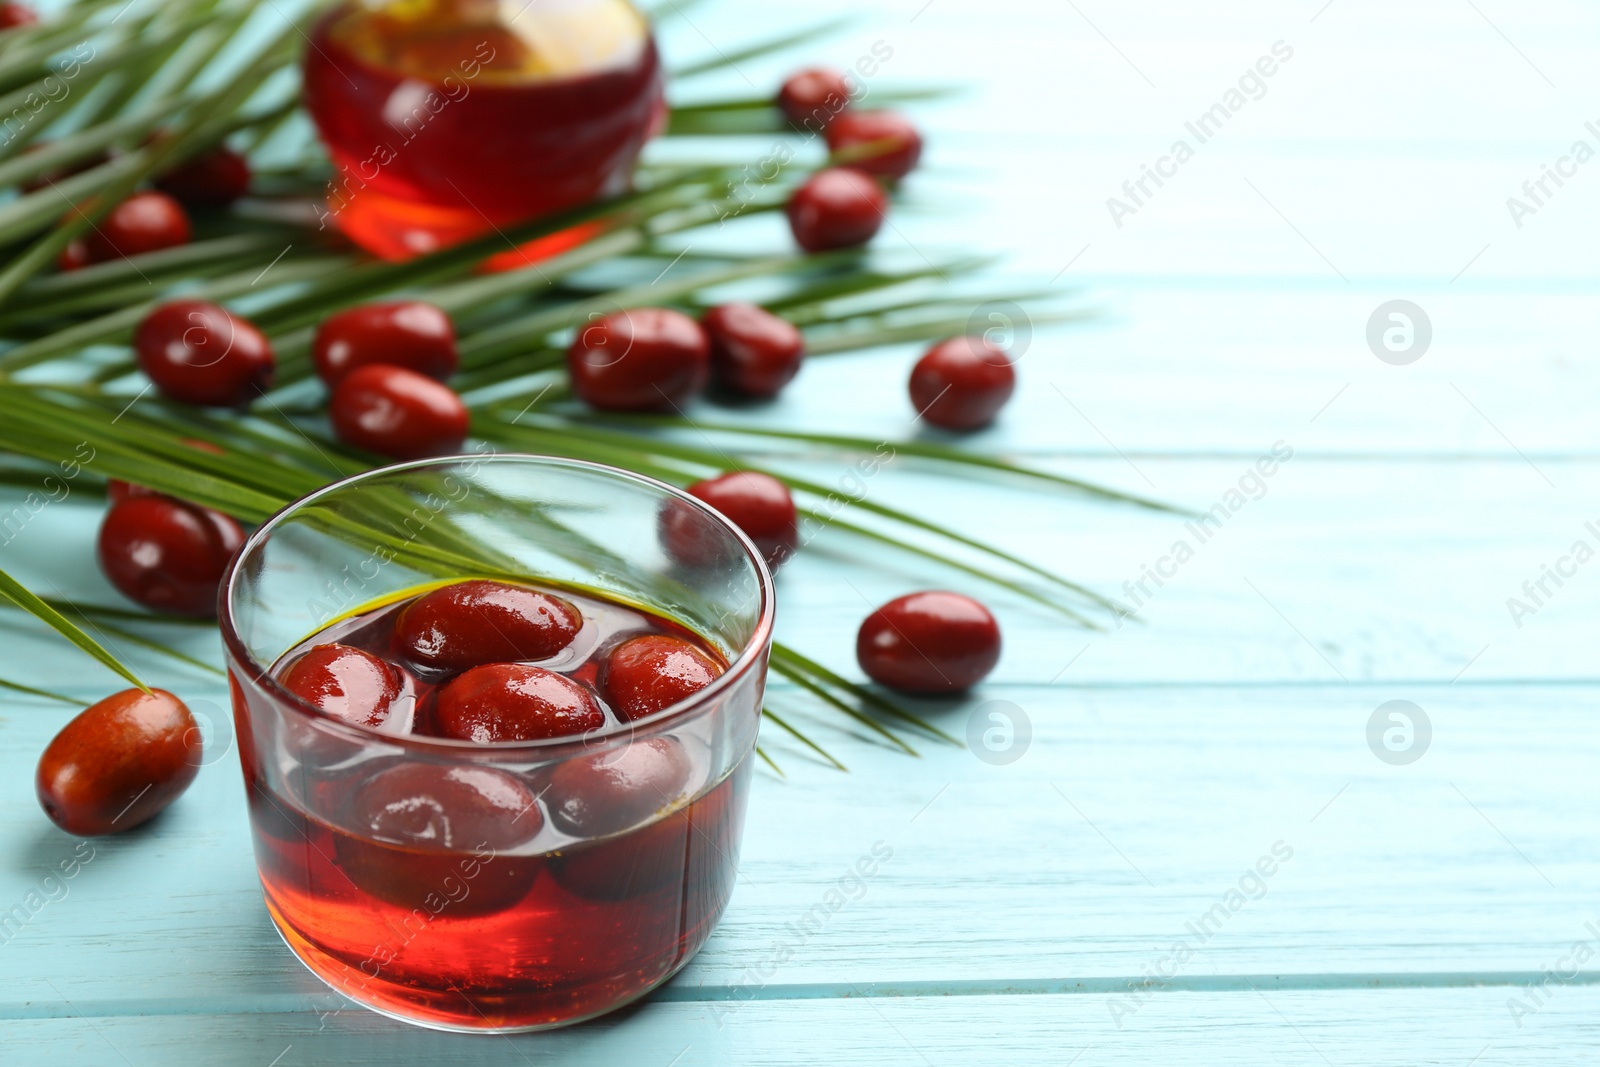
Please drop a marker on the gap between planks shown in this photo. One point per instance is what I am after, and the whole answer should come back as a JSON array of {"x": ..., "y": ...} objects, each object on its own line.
[{"x": 294, "y": 1004}]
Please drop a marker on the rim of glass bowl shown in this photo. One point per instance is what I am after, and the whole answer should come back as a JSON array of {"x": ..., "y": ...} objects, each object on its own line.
[{"x": 261, "y": 675}]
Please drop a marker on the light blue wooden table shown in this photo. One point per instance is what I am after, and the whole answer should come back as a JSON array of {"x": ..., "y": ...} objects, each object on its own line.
[{"x": 1100, "y": 900}]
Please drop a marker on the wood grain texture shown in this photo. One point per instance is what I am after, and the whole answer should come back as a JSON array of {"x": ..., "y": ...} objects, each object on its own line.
[
  {"x": 1133, "y": 814},
  {"x": 1399, "y": 1027},
  {"x": 1024, "y": 903}
]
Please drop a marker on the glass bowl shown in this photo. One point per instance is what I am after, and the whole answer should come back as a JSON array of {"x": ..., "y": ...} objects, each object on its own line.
[{"x": 495, "y": 915}]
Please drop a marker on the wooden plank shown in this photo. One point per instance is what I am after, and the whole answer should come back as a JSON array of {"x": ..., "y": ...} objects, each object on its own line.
[
  {"x": 1131, "y": 817},
  {"x": 1400, "y": 1027},
  {"x": 1354, "y": 570}
]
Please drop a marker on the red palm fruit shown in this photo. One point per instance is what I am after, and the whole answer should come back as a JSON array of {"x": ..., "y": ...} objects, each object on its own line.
[
  {"x": 478, "y": 621},
  {"x": 201, "y": 353},
  {"x": 933, "y": 642},
  {"x": 422, "y": 831},
  {"x": 753, "y": 351},
  {"x": 14, "y": 15},
  {"x": 404, "y": 333},
  {"x": 814, "y": 97},
  {"x": 962, "y": 383},
  {"x": 757, "y": 503},
  {"x": 398, "y": 413},
  {"x": 878, "y": 142},
  {"x": 837, "y": 208},
  {"x": 645, "y": 674},
  {"x": 145, "y": 222},
  {"x": 119, "y": 763},
  {"x": 215, "y": 179},
  {"x": 645, "y": 359},
  {"x": 514, "y": 702},
  {"x": 167, "y": 555},
  {"x": 347, "y": 683}
]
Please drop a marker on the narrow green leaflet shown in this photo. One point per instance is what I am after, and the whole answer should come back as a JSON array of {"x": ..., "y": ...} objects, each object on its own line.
[
  {"x": 17, "y": 687},
  {"x": 20, "y": 596},
  {"x": 725, "y": 60}
]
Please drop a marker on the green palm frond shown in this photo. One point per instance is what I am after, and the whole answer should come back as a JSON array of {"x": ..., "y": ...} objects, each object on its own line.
[
  {"x": 18, "y": 594},
  {"x": 172, "y": 80}
]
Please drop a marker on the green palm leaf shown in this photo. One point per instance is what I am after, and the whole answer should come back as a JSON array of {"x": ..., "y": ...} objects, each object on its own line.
[
  {"x": 18, "y": 594},
  {"x": 67, "y": 377}
]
